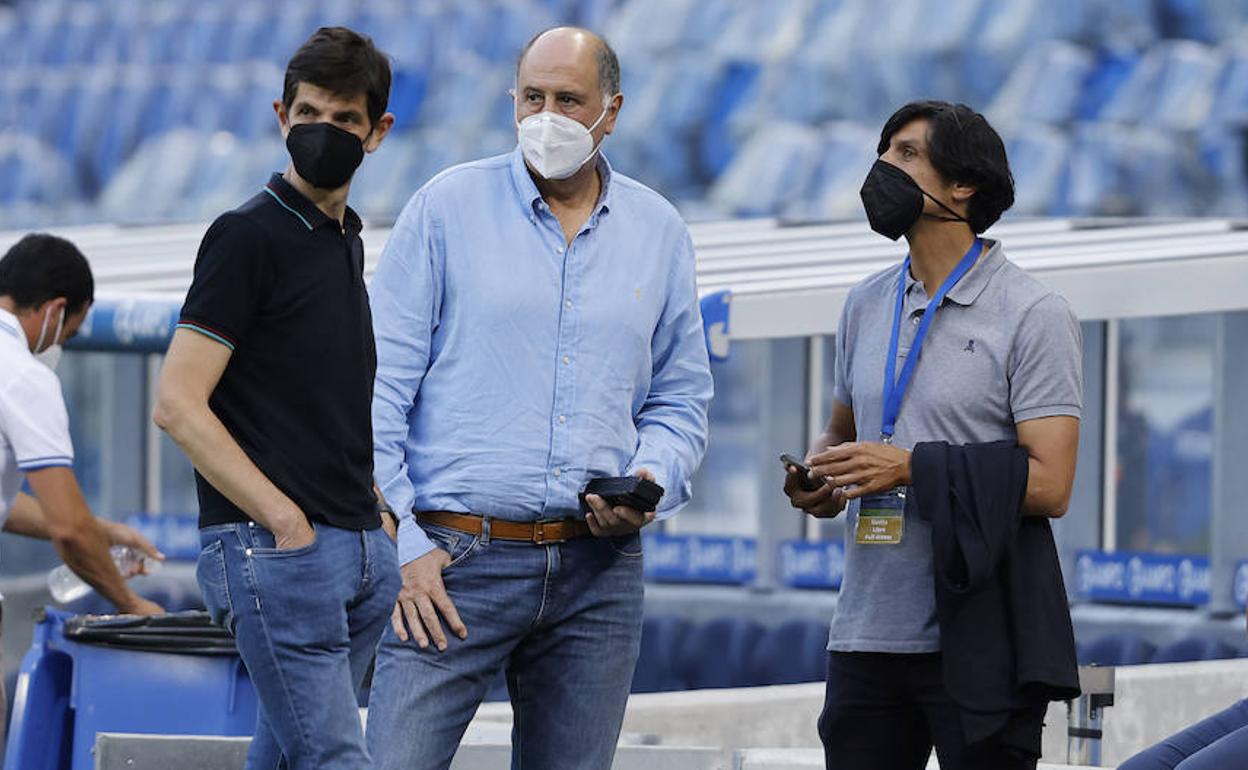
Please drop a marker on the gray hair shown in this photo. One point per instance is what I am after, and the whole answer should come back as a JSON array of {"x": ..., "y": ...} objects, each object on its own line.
[{"x": 608, "y": 62}]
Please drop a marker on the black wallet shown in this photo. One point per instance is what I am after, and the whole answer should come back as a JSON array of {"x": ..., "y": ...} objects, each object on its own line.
[{"x": 639, "y": 494}]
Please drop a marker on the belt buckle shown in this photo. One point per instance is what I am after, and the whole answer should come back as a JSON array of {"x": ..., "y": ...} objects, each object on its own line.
[{"x": 539, "y": 533}]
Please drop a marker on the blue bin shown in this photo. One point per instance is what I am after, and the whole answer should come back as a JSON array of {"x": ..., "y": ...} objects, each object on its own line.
[{"x": 176, "y": 675}]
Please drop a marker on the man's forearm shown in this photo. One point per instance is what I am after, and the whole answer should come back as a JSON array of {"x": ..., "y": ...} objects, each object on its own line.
[
  {"x": 26, "y": 518},
  {"x": 1046, "y": 496},
  {"x": 87, "y": 553},
  {"x": 220, "y": 460}
]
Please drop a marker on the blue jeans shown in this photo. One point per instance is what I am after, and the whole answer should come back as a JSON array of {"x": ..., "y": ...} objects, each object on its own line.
[
  {"x": 306, "y": 622},
  {"x": 565, "y": 622},
  {"x": 1217, "y": 743}
]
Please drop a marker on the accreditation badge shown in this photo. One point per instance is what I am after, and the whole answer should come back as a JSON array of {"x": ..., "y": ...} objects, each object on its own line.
[{"x": 881, "y": 518}]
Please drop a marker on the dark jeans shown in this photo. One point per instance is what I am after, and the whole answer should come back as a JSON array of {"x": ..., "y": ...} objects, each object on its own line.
[
  {"x": 306, "y": 622},
  {"x": 1217, "y": 743},
  {"x": 563, "y": 619},
  {"x": 886, "y": 711}
]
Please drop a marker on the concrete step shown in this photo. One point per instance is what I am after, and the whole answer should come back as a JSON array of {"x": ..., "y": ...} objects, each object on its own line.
[
  {"x": 119, "y": 751},
  {"x": 812, "y": 759}
]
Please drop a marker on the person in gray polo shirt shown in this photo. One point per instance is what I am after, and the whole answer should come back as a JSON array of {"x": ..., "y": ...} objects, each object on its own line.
[{"x": 1000, "y": 360}]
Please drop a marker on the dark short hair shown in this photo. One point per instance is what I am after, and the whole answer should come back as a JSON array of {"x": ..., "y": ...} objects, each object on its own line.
[
  {"x": 608, "y": 62},
  {"x": 41, "y": 267},
  {"x": 343, "y": 62},
  {"x": 963, "y": 148}
]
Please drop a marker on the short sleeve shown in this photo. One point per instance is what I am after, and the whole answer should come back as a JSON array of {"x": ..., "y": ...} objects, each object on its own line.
[
  {"x": 1046, "y": 362},
  {"x": 34, "y": 421},
  {"x": 841, "y": 381},
  {"x": 229, "y": 279}
]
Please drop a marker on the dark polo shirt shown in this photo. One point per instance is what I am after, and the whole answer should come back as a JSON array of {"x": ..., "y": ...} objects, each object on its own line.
[{"x": 282, "y": 286}]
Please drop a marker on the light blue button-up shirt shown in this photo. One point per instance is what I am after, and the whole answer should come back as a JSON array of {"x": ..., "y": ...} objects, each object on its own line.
[{"x": 513, "y": 367}]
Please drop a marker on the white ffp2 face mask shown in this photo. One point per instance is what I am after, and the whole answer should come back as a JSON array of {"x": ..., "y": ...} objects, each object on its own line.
[
  {"x": 555, "y": 145},
  {"x": 51, "y": 355}
]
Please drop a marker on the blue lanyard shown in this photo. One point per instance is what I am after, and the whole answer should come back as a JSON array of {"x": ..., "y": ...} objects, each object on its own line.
[{"x": 895, "y": 387}]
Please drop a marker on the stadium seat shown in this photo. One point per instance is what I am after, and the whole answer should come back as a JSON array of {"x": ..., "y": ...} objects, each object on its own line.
[
  {"x": 773, "y": 169},
  {"x": 790, "y": 653},
  {"x": 847, "y": 154},
  {"x": 1044, "y": 88},
  {"x": 1194, "y": 648},
  {"x": 717, "y": 653},
  {"x": 1122, "y": 649},
  {"x": 1172, "y": 88},
  {"x": 661, "y": 640},
  {"x": 1038, "y": 159}
]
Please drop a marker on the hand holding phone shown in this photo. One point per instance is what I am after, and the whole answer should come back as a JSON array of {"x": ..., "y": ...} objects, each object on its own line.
[{"x": 805, "y": 481}]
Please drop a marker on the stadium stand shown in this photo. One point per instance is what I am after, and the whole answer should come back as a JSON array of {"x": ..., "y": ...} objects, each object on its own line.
[{"x": 734, "y": 108}]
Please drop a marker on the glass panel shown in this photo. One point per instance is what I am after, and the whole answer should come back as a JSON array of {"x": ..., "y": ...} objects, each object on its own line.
[
  {"x": 104, "y": 397},
  {"x": 1165, "y": 434},
  {"x": 757, "y": 413},
  {"x": 177, "y": 481},
  {"x": 85, "y": 383},
  {"x": 826, "y": 529}
]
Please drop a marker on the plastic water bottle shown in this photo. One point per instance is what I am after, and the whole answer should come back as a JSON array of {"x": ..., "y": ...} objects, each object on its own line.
[{"x": 66, "y": 586}]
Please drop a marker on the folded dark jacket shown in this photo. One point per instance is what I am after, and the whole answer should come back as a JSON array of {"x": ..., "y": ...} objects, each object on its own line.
[{"x": 1005, "y": 634}]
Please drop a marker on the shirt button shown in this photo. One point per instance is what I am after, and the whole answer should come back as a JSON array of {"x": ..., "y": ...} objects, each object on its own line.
[
  {"x": 558, "y": 249},
  {"x": 248, "y": 552},
  {"x": 567, "y": 360},
  {"x": 563, "y": 418},
  {"x": 915, "y": 320},
  {"x": 568, "y": 304},
  {"x": 558, "y": 473}
]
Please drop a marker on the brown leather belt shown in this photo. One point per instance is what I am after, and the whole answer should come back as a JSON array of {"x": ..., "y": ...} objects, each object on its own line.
[{"x": 536, "y": 532}]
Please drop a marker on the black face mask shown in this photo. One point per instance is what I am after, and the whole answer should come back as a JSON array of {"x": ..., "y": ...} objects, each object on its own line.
[
  {"x": 324, "y": 155},
  {"x": 894, "y": 201}
]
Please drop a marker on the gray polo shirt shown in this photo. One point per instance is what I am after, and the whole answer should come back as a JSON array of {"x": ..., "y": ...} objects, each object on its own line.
[{"x": 1003, "y": 349}]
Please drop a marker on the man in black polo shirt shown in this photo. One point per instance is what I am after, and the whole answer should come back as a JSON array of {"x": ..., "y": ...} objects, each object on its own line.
[{"x": 267, "y": 387}]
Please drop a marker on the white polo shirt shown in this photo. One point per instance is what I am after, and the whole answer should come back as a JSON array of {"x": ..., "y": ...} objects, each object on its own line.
[{"x": 34, "y": 426}]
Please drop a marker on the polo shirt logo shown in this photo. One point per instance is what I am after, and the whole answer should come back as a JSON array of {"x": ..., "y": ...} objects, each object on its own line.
[{"x": 970, "y": 347}]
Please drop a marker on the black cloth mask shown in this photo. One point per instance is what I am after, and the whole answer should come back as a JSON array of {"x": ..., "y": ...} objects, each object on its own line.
[
  {"x": 894, "y": 202},
  {"x": 324, "y": 155}
]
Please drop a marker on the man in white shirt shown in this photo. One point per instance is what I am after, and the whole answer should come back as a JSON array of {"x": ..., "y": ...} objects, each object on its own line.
[{"x": 46, "y": 289}]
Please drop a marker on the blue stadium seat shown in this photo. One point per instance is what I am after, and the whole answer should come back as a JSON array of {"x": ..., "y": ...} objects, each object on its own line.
[
  {"x": 774, "y": 169},
  {"x": 1004, "y": 29},
  {"x": 1205, "y": 20},
  {"x": 1230, "y": 106},
  {"x": 158, "y": 174},
  {"x": 641, "y": 28},
  {"x": 1123, "y": 649},
  {"x": 1194, "y": 648},
  {"x": 1111, "y": 70},
  {"x": 121, "y": 131},
  {"x": 1038, "y": 159},
  {"x": 848, "y": 150},
  {"x": 749, "y": 29},
  {"x": 34, "y": 173},
  {"x": 1172, "y": 88},
  {"x": 1118, "y": 170},
  {"x": 662, "y": 637},
  {"x": 1222, "y": 152},
  {"x": 717, "y": 653},
  {"x": 790, "y": 653},
  {"x": 468, "y": 94},
  {"x": 1045, "y": 87}
]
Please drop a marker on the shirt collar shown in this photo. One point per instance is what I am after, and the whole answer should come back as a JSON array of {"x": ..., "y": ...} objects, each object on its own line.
[
  {"x": 967, "y": 290},
  {"x": 531, "y": 198},
  {"x": 10, "y": 325},
  {"x": 308, "y": 212}
]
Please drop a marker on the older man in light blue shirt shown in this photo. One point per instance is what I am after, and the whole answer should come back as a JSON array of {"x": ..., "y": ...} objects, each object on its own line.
[{"x": 537, "y": 326}]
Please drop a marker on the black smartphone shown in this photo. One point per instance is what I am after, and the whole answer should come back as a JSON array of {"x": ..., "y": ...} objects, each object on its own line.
[{"x": 803, "y": 470}]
